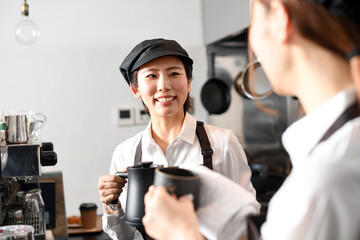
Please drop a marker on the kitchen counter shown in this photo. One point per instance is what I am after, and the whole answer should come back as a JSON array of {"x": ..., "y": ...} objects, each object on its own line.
[{"x": 78, "y": 233}]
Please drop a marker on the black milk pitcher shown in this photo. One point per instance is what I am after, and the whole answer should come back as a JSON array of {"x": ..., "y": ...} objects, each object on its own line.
[{"x": 140, "y": 178}]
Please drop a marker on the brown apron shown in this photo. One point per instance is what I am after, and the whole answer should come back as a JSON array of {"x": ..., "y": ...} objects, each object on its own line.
[{"x": 255, "y": 222}]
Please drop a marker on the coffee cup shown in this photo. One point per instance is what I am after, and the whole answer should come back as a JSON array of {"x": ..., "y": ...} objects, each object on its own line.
[
  {"x": 88, "y": 215},
  {"x": 179, "y": 181}
]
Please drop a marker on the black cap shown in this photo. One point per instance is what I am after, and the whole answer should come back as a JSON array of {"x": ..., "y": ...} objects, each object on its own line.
[
  {"x": 87, "y": 206},
  {"x": 149, "y": 50}
]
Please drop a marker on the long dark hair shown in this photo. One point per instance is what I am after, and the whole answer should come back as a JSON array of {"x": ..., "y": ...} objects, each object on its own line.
[
  {"x": 189, "y": 75},
  {"x": 334, "y": 32}
]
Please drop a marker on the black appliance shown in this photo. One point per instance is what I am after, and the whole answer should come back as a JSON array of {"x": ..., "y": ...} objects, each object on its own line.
[{"x": 21, "y": 166}]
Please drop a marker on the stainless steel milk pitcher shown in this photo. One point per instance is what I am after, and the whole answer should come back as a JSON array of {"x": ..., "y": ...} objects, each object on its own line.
[{"x": 16, "y": 129}]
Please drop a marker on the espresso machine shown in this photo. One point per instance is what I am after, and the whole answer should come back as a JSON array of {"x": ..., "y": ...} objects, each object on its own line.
[{"x": 21, "y": 162}]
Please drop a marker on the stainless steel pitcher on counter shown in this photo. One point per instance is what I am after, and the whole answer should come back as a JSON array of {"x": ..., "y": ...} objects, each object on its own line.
[
  {"x": 16, "y": 129},
  {"x": 23, "y": 126}
]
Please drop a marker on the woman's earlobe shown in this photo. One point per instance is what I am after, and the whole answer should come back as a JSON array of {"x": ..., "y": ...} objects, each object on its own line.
[{"x": 135, "y": 91}]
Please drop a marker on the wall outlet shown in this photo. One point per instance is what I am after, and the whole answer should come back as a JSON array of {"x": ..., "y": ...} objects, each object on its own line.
[
  {"x": 140, "y": 116},
  {"x": 125, "y": 116}
]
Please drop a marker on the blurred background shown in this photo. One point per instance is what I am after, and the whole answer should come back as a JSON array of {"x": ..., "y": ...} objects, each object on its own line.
[{"x": 71, "y": 73}]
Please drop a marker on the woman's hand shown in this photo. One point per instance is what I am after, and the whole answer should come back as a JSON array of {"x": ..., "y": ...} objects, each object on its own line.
[
  {"x": 110, "y": 187},
  {"x": 167, "y": 217}
]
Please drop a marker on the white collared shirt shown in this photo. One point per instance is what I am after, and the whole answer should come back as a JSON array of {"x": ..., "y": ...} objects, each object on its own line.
[
  {"x": 228, "y": 159},
  {"x": 320, "y": 199}
]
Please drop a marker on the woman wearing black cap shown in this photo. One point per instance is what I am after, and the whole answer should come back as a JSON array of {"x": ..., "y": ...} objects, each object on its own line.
[
  {"x": 309, "y": 49},
  {"x": 159, "y": 72}
]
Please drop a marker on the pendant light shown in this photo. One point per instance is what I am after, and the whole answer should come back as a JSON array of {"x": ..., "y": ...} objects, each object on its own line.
[{"x": 26, "y": 31}]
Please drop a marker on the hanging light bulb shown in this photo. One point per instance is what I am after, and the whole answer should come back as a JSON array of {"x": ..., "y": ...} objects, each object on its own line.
[{"x": 26, "y": 31}]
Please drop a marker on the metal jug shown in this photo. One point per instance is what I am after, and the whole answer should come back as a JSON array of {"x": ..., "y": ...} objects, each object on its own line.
[
  {"x": 16, "y": 129},
  {"x": 140, "y": 178}
]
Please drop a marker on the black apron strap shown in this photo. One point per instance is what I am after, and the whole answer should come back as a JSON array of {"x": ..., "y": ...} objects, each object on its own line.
[
  {"x": 206, "y": 149},
  {"x": 350, "y": 113},
  {"x": 254, "y": 223}
]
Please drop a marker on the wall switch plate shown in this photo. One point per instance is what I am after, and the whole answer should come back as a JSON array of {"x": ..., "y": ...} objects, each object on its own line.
[
  {"x": 125, "y": 116},
  {"x": 140, "y": 116}
]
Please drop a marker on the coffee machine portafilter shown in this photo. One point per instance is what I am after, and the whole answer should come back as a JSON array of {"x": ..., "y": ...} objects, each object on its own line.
[{"x": 21, "y": 164}]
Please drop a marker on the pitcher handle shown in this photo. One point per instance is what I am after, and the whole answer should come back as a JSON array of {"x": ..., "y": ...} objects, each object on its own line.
[
  {"x": 123, "y": 175},
  {"x": 40, "y": 120}
]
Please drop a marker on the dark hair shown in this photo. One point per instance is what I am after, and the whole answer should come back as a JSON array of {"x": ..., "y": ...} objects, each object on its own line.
[
  {"x": 315, "y": 23},
  {"x": 334, "y": 32},
  {"x": 189, "y": 75}
]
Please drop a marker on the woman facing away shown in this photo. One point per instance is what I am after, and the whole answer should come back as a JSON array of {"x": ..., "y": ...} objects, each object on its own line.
[
  {"x": 311, "y": 50},
  {"x": 159, "y": 72}
]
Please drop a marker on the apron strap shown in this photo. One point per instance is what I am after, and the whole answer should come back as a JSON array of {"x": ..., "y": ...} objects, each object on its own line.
[
  {"x": 254, "y": 223},
  {"x": 206, "y": 149},
  {"x": 350, "y": 113}
]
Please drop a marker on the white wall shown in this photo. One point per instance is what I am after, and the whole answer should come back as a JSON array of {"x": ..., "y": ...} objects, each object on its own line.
[
  {"x": 224, "y": 17},
  {"x": 71, "y": 75}
]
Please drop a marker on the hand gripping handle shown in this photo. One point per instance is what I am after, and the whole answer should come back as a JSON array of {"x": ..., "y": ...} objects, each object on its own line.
[{"x": 123, "y": 175}]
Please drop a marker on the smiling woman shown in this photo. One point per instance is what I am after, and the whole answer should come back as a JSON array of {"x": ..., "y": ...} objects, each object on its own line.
[
  {"x": 159, "y": 72},
  {"x": 163, "y": 87}
]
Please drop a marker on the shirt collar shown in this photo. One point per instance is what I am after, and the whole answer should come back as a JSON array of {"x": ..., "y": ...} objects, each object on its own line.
[
  {"x": 187, "y": 132},
  {"x": 303, "y": 135}
]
